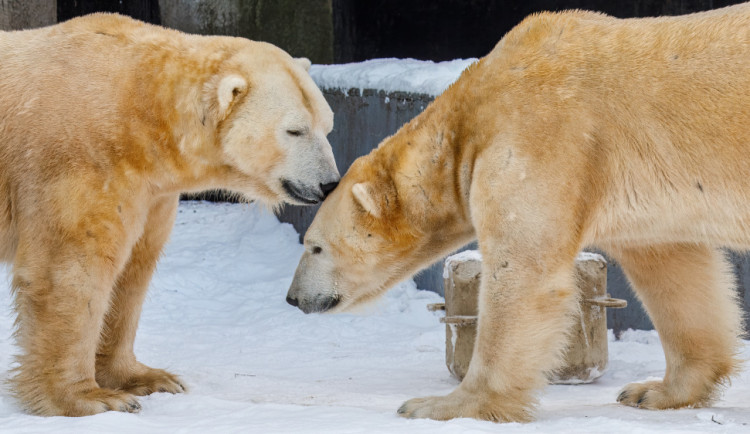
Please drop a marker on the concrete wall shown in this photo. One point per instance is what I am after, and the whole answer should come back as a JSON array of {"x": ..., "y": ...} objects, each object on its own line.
[
  {"x": 363, "y": 120},
  {"x": 27, "y": 14},
  {"x": 303, "y": 28}
]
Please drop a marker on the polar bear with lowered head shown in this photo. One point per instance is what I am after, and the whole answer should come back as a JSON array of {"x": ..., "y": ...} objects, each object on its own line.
[
  {"x": 104, "y": 120},
  {"x": 577, "y": 130}
]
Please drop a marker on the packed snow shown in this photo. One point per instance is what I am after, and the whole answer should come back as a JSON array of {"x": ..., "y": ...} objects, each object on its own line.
[
  {"x": 391, "y": 75},
  {"x": 465, "y": 256},
  {"x": 476, "y": 255},
  {"x": 216, "y": 316}
]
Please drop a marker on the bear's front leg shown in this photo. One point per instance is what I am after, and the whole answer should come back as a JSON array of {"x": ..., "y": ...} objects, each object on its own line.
[
  {"x": 526, "y": 301},
  {"x": 116, "y": 365},
  {"x": 523, "y": 315},
  {"x": 465, "y": 402},
  {"x": 62, "y": 283}
]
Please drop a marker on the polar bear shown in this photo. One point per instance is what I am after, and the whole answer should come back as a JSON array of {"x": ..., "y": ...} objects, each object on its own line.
[
  {"x": 577, "y": 130},
  {"x": 104, "y": 120}
]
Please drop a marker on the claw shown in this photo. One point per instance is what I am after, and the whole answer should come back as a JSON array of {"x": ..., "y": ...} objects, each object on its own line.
[{"x": 622, "y": 396}]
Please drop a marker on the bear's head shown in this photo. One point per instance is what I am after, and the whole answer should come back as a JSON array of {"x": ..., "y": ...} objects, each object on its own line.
[
  {"x": 270, "y": 122},
  {"x": 361, "y": 242}
]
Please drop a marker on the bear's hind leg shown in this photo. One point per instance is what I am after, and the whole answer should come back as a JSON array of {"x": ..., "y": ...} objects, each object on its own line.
[
  {"x": 688, "y": 291},
  {"x": 116, "y": 365}
]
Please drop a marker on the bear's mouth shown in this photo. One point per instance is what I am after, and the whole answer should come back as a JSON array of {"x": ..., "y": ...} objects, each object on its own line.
[
  {"x": 320, "y": 304},
  {"x": 301, "y": 194}
]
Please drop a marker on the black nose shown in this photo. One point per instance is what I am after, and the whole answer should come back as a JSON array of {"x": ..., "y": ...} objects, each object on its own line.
[
  {"x": 292, "y": 301},
  {"x": 328, "y": 188}
]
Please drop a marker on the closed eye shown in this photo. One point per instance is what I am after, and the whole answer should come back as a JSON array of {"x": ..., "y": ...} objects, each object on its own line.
[{"x": 295, "y": 133}]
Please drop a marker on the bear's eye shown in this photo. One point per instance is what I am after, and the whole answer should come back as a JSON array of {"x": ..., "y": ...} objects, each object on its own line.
[
  {"x": 295, "y": 133},
  {"x": 316, "y": 250}
]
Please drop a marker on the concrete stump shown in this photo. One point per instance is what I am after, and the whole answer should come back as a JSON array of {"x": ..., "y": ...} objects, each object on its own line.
[
  {"x": 462, "y": 274},
  {"x": 587, "y": 354}
]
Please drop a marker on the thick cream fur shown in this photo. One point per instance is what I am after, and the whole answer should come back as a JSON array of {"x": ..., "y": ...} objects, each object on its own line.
[
  {"x": 577, "y": 130},
  {"x": 103, "y": 122}
]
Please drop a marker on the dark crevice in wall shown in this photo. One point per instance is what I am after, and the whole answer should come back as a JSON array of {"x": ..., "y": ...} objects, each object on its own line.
[
  {"x": 451, "y": 29},
  {"x": 144, "y": 10}
]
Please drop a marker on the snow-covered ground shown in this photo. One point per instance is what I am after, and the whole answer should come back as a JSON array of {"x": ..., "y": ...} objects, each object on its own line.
[{"x": 216, "y": 315}]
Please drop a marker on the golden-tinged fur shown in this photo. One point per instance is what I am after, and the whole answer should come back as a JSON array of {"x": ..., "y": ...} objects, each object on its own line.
[
  {"x": 104, "y": 120},
  {"x": 577, "y": 130}
]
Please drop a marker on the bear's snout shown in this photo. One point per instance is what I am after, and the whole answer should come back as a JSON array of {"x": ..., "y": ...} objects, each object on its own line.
[
  {"x": 292, "y": 301},
  {"x": 319, "y": 303}
]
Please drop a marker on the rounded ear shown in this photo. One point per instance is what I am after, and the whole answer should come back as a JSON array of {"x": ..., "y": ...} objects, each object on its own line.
[
  {"x": 230, "y": 87},
  {"x": 362, "y": 194},
  {"x": 220, "y": 94},
  {"x": 304, "y": 62}
]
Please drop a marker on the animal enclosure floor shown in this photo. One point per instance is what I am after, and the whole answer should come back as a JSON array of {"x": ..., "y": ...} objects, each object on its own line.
[{"x": 216, "y": 316}]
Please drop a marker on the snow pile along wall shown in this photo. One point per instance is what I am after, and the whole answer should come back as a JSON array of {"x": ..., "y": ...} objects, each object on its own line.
[{"x": 391, "y": 75}]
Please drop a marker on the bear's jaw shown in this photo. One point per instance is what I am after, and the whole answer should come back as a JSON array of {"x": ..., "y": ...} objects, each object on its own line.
[{"x": 301, "y": 193}]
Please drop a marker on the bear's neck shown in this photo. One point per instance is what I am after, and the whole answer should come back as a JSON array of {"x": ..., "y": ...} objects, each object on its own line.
[
  {"x": 184, "y": 158},
  {"x": 431, "y": 163}
]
